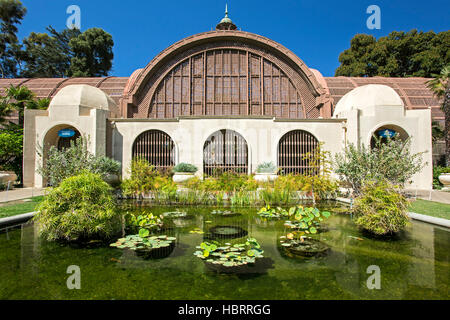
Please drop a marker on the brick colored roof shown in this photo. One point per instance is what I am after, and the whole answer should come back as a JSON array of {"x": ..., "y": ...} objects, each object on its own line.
[{"x": 413, "y": 91}]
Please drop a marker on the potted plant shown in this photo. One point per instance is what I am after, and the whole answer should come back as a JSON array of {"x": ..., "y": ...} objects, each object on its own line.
[
  {"x": 444, "y": 178},
  {"x": 7, "y": 176},
  {"x": 183, "y": 172},
  {"x": 266, "y": 171}
]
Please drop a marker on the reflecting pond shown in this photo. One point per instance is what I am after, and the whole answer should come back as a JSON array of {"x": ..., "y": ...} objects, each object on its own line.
[{"x": 415, "y": 265}]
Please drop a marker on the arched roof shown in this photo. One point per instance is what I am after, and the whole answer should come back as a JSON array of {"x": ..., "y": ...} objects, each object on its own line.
[
  {"x": 367, "y": 96},
  {"x": 143, "y": 86},
  {"x": 413, "y": 91}
]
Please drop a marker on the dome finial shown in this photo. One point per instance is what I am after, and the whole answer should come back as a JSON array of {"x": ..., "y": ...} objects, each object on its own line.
[{"x": 226, "y": 23}]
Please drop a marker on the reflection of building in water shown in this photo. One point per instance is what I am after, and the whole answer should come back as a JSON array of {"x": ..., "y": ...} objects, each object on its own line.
[
  {"x": 29, "y": 248},
  {"x": 421, "y": 270}
]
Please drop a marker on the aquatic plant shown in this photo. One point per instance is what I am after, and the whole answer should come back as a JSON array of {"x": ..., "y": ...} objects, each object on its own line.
[
  {"x": 143, "y": 244},
  {"x": 145, "y": 222},
  {"x": 306, "y": 219},
  {"x": 296, "y": 244},
  {"x": 175, "y": 214},
  {"x": 229, "y": 255},
  {"x": 273, "y": 213}
]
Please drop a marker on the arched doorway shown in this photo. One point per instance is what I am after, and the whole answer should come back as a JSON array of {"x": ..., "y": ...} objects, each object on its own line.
[
  {"x": 61, "y": 137},
  {"x": 225, "y": 150},
  {"x": 388, "y": 132},
  {"x": 292, "y": 149},
  {"x": 157, "y": 147}
]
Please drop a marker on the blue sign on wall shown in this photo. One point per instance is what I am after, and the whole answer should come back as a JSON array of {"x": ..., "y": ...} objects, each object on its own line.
[
  {"x": 385, "y": 133},
  {"x": 66, "y": 133}
]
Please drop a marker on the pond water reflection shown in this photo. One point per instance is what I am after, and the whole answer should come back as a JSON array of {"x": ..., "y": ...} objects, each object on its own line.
[{"x": 415, "y": 265}]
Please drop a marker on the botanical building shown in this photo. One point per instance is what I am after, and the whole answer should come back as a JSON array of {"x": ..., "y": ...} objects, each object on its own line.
[{"x": 226, "y": 99}]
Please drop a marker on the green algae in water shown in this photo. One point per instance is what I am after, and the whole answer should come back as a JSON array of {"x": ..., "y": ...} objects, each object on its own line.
[{"x": 413, "y": 266}]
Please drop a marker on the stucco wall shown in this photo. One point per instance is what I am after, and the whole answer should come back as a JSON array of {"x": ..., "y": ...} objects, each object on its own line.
[{"x": 190, "y": 134}]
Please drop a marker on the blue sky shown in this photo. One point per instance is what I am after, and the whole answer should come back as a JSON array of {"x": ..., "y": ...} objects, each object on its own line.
[{"x": 316, "y": 31}]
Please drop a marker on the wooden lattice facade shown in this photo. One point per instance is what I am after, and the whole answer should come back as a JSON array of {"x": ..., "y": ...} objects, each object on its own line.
[{"x": 226, "y": 82}]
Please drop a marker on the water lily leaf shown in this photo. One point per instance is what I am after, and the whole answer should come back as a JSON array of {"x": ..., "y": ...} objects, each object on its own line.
[{"x": 326, "y": 214}]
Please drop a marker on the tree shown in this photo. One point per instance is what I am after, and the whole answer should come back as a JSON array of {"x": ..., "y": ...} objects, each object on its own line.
[
  {"x": 92, "y": 52},
  {"x": 440, "y": 86},
  {"x": 48, "y": 55},
  {"x": 11, "y": 15},
  {"x": 17, "y": 99},
  {"x": 400, "y": 54}
]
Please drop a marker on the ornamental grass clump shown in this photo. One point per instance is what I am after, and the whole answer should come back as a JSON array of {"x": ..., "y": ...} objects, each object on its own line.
[
  {"x": 81, "y": 208},
  {"x": 381, "y": 208}
]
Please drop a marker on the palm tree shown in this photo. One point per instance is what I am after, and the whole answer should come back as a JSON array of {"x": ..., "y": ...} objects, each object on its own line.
[
  {"x": 18, "y": 99},
  {"x": 440, "y": 86}
]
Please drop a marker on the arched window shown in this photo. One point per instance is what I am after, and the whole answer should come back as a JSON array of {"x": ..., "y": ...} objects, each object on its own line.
[
  {"x": 292, "y": 149},
  {"x": 156, "y": 147},
  {"x": 225, "y": 150},
  {"x": 388, "y": 131}
]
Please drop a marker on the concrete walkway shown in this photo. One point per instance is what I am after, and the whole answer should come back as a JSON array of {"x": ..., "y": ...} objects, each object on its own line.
[
  {"x": 434, "y": 195},
  {"x": 19, "y": 194}
]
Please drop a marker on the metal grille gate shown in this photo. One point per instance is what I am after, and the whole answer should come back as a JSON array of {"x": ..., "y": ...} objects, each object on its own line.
[
  {"x": 225, "y": 150},
  {"x": 156, "y": 147},
  {"x": 292, "y": 148}
]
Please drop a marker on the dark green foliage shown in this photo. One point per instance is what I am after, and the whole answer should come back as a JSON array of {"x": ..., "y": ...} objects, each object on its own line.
[
  {"x": 437, "y": 171},
  {"x": 68, "y": 53},
  {"x": 400, "y": 54},
  {"x": 11, "y": 151},
  {"x": 81, "y": 208},
  {"x": 92, "y": 53},
  {"x": 15, "y": 100},
  {"x": 185, "y": 167},
  {"x": 440, "y": 86},
  {"x": 48, "y": 55},
  {"x": 11, "y": 15},
  {"x": 381, "y": 208}
]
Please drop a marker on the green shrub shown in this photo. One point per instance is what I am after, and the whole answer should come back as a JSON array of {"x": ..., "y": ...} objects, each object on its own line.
[
  {"x": 11, "y": 145},
  {"x": 81, "y": 207},
  {"x": 266, "y": 167},
  {"x": 390, "y": 160},
  {"x": 144, "y": 178},
  {"x": 61, "y": 164},
  {"x": 185, "y": 167},
  {"x": 381, "y": 208},
  {"x": 437, "y": 171}
]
